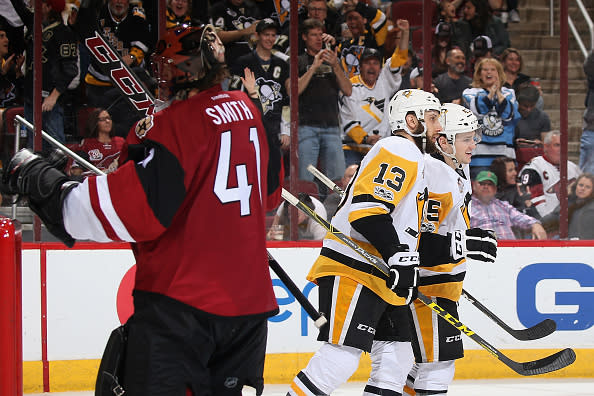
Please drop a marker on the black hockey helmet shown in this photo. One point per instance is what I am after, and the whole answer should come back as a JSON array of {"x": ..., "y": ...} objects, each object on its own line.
[{"x": 187, "y": 57}]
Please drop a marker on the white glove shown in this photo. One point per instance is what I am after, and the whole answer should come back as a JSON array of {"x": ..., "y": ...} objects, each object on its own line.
[
  {"x": 474, "y": 243},
  {"x": 404, "y": 275}
]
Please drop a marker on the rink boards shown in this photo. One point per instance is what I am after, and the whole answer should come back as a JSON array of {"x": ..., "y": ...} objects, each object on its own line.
[{"x": 73, "y": 298}]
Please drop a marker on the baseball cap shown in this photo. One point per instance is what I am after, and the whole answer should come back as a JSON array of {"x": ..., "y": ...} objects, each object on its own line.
[
  {"x": 57, "y": 5},
  {"x": 267, "y": 23},
  {"x": 480, "y": 45},
  {"x": 486, "y": 175},
  {"x": 370, "y": 53},
  {"x": 443, "y": 29}
]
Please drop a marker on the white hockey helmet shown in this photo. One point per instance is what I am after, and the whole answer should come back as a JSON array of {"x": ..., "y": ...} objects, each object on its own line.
[
  {"x": 416, "y": 101},
  {"x": 457, "y": 119}
]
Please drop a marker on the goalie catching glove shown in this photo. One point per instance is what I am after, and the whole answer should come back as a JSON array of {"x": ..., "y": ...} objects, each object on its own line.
[
  {"x": 474, "y": 243},
  {"x": 404, "y": 275},
  {"x": 32, "y": 176}
]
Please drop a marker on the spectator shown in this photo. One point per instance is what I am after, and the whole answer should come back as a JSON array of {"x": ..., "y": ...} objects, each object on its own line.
[
  {"x": 451, "y": 84},
  {"x": 179, "y": 12},
  {"x": 541, "y": 178},
  {"x": 508, "y": 188},
  {"x": 10, "y": 72},
  {"x": 441, "y": 48},
  {"x": 368, "y": 28},
  {"x": 129, "y": 34},
  {"x": 580, "y": 210},
  {"x": 490, "y": 213},
  {"x": 587, "y": 139},
  {"x": 318, "y": 9},
  {"x": 478, "y": 21},
  {"x": 514, "y": 79},
  {"x": 534, "y": 122},
  {"x": 331, "y": 202},
  {"x": 321, "y": 79},
  {"x": 271, "y": 75},
  {"x": 101, "y": 146},
  {"x": 447, "y": 11},
  {"x": 308, "y": 228},
  {"x": 59, "y": 67},
  {"x": 497, "y": 110},
  {"x": 363, "y": 114},
  {"x": 480, "y": 48},
  {"x": 234, "y": 27}
]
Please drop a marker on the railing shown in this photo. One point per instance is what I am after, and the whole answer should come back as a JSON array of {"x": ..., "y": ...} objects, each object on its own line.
[{"x": 574, "y": 30}]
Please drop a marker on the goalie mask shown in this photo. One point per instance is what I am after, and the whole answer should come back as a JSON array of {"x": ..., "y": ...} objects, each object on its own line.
[
  {"x": 187, "y": 57},
  {"x": 411, "y": 101},
  {"x": 457, "y": 119}
]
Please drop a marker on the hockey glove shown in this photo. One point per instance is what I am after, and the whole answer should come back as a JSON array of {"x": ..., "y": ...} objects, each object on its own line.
[
  {"x": 30, "y": 175},
  {"x": 404, "y": 275},
  {"x": 475, "y": 243}
]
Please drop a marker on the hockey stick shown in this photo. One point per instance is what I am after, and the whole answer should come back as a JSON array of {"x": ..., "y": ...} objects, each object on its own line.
[
  {"x": 535, "y": 332},
  {"x": 539, "y": 330},
  {"x": 547, "y": 364},
  {"x": 318, "y": 318}
]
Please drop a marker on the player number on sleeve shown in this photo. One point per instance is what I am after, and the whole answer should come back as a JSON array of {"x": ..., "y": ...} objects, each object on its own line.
[
  {"x": 394, "y": 180},
  {"x": 243, "y": 191}
]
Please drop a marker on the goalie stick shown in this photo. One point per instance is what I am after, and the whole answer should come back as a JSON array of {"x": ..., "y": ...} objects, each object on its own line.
[
  {"x": 121, "y": 75},
  {"x": 535, "y": 332},
  {"x": 544, "y": 365}
]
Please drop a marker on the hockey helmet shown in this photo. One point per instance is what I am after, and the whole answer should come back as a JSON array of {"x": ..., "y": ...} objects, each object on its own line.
[
  {"x": 411, "y": 101},
  {"x": 185, "y": 56},
  {"x": 457, "y": 119}
]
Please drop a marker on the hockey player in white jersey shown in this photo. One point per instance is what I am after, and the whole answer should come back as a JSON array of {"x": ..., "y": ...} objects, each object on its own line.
[
  {"x": 382, "y": 212},
  {"x": 436, "y": 344}
]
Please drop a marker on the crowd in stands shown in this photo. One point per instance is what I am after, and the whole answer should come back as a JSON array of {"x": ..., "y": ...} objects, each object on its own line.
[{"x": 354, "y": 55}]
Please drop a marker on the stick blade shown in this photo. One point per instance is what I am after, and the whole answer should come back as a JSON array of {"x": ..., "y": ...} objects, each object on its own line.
[
  {"x": 539, "y": 330},
  {"x": 554, "y": 362}
]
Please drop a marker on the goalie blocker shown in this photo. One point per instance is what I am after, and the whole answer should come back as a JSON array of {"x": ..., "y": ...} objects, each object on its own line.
[{"x": 46, "y": 187}]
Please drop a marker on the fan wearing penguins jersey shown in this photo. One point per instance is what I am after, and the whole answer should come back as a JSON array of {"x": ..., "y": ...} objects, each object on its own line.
[
  {"x": 435, "y": 343},
  {"x": 382, "y": 212},
  {"x": 272, "y": 77},
  {"x": 363, "y": 114}
]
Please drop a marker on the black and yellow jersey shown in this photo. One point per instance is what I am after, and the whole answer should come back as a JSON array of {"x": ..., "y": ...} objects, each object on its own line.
[{"x": 382, "y": 209}]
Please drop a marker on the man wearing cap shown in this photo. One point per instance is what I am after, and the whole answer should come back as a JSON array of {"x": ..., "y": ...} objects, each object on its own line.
[
  {"x": 363, "y": 116},
  {"x": 271, "y": 74},
  {"x": 59, "y": 66},
  {"x": 490, "y": 213},
  {"x": 368, "y": 28},
  {"x": 452, "y": 83}
]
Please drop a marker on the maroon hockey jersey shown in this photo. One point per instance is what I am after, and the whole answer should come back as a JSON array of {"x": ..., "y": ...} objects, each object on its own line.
[{"x": 192, "y": 199}]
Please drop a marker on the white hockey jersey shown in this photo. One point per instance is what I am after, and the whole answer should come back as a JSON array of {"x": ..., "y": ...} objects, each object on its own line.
[
  {"x": 544, "y": 192},
  {"x": 446, "y": 211},
  {"x": 389, "y": 181},
  {"x": 366, "y": 109}
]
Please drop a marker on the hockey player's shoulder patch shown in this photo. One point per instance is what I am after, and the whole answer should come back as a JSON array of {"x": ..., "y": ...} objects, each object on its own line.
[
  {"x": 383, "y": 193},
  {"x": 143, "y": 126}
]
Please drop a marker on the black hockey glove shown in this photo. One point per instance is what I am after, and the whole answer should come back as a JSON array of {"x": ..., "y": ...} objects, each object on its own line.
[
  {"x": 475, "y": 243},
  {"x": 404, "y": 275},
  {"x": 30, "y": 175}
]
